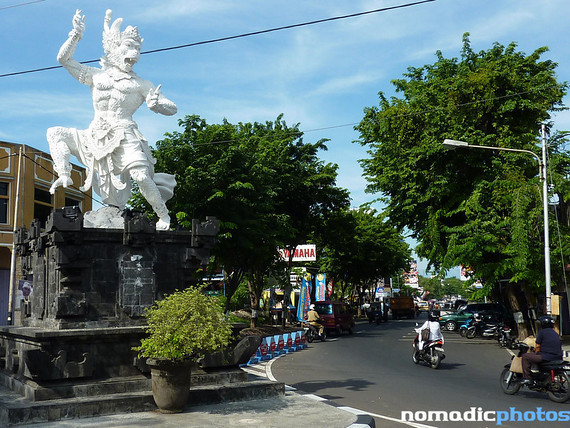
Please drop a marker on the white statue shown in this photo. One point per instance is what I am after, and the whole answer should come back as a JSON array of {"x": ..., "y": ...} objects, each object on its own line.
[{"x": 112, "y": 148}]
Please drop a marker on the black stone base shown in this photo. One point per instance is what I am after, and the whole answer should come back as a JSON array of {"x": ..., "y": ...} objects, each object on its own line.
[
  {"x": 96, "y": 278},
  {"x": 33, "y": 392},
  {"x": 17, "y": 411},
  {"x": 48, "y": 356}
]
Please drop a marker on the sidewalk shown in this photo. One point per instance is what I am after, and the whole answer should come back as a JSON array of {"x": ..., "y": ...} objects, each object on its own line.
[{"x": 278, "y": 412}]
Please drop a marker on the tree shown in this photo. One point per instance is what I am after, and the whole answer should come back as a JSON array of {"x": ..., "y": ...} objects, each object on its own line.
[
  {"x": 361, "y": 247},
  {"x": 453, "y": 287},
  {"x": 266, "y": 186},
  {"x": 432, "y": 285},
  {"x": 439, "y": 288},
  {"x": 476, "y": 208}
]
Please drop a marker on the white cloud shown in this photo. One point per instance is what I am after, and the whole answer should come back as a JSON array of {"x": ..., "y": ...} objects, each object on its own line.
[
  {"x": 177, "y": 9},
  {"x": 42, "y": 103},
  {"x": 345, "y": 83}
]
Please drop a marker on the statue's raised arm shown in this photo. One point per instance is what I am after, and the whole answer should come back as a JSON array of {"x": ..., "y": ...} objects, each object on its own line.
[{"x": 65, "y": 55}]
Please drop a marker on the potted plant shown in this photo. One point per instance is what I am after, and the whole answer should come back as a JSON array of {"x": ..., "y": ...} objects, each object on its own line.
[{"x": 181, "y": 329}]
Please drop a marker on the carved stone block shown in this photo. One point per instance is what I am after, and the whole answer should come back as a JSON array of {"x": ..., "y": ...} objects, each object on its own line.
[{"x": 44, "y": 366}]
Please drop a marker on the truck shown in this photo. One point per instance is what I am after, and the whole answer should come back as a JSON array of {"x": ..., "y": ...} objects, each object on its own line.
[{"x": 402, "y": 306}]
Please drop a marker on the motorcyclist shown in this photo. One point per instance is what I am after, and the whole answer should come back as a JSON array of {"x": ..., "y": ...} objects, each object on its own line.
[
  {"x": 434, "y": 329},
  {"x": 548, "y": 348},
  {"x": 314, "y": 319}
]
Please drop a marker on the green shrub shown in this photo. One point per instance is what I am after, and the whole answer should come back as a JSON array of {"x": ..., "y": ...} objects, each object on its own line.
[{"x": 184, "y": 325}]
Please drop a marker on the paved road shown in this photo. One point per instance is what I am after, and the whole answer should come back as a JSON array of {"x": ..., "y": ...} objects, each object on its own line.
[{"x": 372, "y": 370}]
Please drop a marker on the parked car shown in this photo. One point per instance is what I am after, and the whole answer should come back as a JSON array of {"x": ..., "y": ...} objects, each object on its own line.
[
  {"x": 423, "y": 306},
  {"x": 335, "y": 316},
  {"x": 452, "y": 321},
  {"x": 458, "y": 303}
]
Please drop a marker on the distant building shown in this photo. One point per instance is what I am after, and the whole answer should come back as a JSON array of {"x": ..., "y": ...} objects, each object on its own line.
[
  {"x": 26, "y": 175},
  {"x": 411, "y": 278}
]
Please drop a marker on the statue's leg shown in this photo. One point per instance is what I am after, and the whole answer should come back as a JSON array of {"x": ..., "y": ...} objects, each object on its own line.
[
  {"x": 148, "y": 189},
  {"x": 61, "y": 141}
]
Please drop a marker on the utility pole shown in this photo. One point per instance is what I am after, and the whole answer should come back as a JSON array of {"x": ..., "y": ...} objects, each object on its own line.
[
  {"x": 13, "y": 256},
  {"x": 546, "y": 231}
]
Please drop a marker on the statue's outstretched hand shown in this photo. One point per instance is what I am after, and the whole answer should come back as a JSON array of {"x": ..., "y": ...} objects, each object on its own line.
[
  {"x": 78, "y": 23},
  {"x": 152, "y": 98},
  {"x": 64, "y": 180}
]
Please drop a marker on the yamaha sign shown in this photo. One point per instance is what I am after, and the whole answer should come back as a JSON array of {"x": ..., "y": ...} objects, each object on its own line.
[{"x": 303, "y": 253}]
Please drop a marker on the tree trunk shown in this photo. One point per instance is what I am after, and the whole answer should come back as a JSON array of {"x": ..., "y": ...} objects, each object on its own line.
[
  {"x": 286, "y": 302},
  {"x": 360, "y": 291},
  {"x": 287, "y": 289},
  {"x": 232, "y": 283},
  {"x": 255, "y": 287},
  {"x": 516, "y": 307},
  {"x": 254, "y": 303}
]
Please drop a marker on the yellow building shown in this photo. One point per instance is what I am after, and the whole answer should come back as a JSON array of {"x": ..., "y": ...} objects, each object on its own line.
[{"x": 26, "y": 175}]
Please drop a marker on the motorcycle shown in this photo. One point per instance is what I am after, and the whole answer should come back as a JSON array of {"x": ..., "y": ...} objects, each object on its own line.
[
  {"x": 468, "y": 323},
  {"x": 551, "y": 377},
  {"x": 484, "y": 326},
  {"x": 432, "y": 352},
  {"x": 312, "y": 333},
  {"x": 505, "y": 337},
  {"x": 375, "y": 313}
]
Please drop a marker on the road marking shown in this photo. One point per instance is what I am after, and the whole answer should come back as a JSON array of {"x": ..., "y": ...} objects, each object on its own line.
[
  {"x": 269, "y": 372},
  {"x": 469, "y": 342},
  {"x": 269, "y": 375},
  {"x": 388, "y": 418},
  {"x": 256, "y": 370}
]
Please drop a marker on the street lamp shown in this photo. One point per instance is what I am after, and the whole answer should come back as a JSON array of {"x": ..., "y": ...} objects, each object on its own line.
[{"x": 542, "y": 174}]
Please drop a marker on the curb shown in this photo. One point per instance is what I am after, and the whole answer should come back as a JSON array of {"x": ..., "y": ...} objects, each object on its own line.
[
  {"x": 362, "y": 419},
  {"x": 274, "y": 346}
]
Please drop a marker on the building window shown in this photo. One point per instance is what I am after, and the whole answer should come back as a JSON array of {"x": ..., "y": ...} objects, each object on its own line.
[
  {"x": 4, "y": 202},
  {"x": 70, "y": 202},
  {"x": 43, "y": 204}
]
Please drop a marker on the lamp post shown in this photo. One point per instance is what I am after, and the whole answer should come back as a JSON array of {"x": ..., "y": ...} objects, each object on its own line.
[{"x": 542, "y": 175}]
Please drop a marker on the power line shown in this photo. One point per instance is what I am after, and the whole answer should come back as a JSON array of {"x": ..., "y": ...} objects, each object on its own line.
[
  {"x": 288, "y": 27},
  {"x": 435, "y": 109},
  {"x": 253, "y": 33},
  {"x": 403, "y": 115},
  {"x": 21, "y": 4}
]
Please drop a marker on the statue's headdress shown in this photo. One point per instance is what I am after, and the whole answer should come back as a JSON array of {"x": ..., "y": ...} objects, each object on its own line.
[{"x": 112, "y": 36}]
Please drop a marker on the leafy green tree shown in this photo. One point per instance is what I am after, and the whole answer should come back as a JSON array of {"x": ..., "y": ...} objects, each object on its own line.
[
  {"x": 267, "y": 187},
  {"x": 453, "y": 287},
  {"x": 433, "y": 285},
  {"x": 360, "y": 248},
  {"x": 439, "y": 288},
  {"x": 471, "y": 207}
]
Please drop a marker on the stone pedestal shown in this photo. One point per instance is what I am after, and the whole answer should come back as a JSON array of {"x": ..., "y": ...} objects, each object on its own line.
[{"x": 90, "y": 289}]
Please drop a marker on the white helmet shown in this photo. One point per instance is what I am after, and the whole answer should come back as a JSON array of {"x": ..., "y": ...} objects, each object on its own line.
[{"x": 312, "y": 306}]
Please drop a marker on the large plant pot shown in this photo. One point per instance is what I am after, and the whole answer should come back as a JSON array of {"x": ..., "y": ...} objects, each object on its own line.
[{"x": 170, "y": 383}]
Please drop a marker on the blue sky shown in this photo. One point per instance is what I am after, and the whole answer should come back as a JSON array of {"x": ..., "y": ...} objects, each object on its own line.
[{"x": 321, "y": 76}]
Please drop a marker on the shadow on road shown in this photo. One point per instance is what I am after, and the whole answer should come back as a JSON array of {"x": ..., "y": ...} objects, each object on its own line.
[
  {"x": 449, "y": 366},
  {"x": 314, "y": 386}
]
